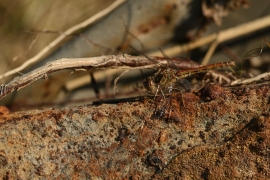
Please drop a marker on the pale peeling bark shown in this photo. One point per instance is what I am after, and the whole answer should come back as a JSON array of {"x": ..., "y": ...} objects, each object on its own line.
[{"x": 125, "y": 61}]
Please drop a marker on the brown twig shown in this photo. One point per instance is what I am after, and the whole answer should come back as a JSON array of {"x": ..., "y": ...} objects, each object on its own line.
[{"x": 126, "y": 62}]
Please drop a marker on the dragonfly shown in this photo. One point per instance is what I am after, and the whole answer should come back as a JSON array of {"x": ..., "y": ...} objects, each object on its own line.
[
  {"x": 172, "y": 80},
  {"x": 169, "y": 79}
]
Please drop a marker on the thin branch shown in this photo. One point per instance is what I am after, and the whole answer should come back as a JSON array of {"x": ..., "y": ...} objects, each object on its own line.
[
  {"x": 116, "y": 80},
  {"x": 26, "y": 52},
  {"x": 68, "y": 32},
  {"x": 220, "y": 37},
  {"x": 260, "y": 77},
  {"x": 185, "y": 68},
  {"x": 112, "y": 61}
]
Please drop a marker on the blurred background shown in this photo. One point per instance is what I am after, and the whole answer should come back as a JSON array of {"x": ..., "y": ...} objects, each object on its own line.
[{"x": 29, "y": 26}]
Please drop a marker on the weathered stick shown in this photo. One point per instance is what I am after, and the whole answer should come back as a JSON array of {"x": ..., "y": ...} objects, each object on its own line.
[
  {"x": 110, "y": 61},
  {"x": 125, "y": 61},
  {"x": 65, "y": 63},
  {"x": 260, "y": 77}
]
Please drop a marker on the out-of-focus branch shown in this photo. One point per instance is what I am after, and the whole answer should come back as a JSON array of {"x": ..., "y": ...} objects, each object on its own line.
[
  {"x": 218, "y": 38},
  {"x": 62, "y": 36}
]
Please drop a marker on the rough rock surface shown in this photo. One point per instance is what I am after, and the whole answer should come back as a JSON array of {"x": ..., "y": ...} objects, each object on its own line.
[{"x": 216, "y": 133}]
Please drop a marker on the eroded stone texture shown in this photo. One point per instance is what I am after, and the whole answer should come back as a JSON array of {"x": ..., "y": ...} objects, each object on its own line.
[
  {"x": 217, "y": 132},
  {"x": 244, "y": 156}
]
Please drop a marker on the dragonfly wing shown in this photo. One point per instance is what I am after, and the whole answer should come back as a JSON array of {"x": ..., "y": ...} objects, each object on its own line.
[{"x": 183, "y": 85}]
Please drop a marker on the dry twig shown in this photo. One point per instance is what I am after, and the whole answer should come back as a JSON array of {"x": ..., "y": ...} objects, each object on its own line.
[
  {"x": 260, "y": 77},
  {"x": 126, "y": 62}
]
